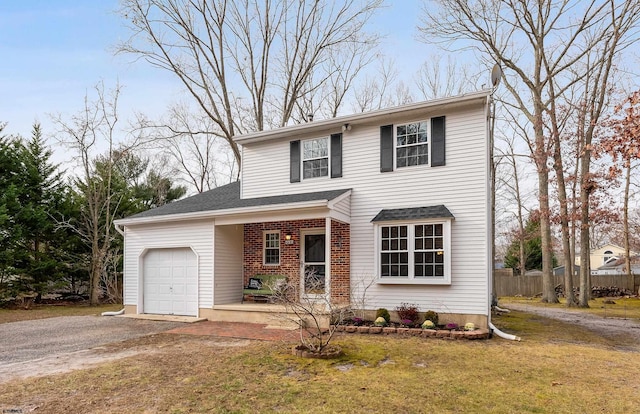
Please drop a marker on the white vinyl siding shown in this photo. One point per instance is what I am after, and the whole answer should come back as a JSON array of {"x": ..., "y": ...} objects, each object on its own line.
[
  {"x": 197, "y": 235},
  {"x": 462, "y": 186},
  {"x": 228, "y": 264}
]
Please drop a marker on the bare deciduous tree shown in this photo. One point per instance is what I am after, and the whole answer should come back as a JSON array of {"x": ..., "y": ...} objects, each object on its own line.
[
  {"x": 85, "y": 133},
  {"x": 544, "y": 47},
  {"x": 182, "y": 138},
  {"x": 246, "y": 64}
]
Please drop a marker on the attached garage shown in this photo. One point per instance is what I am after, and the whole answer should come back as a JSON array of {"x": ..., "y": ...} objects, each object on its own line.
[{"x": 170, "y": 281}]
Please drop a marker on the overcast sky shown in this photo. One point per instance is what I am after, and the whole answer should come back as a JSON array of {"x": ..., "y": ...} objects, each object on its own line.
[{"x": 54, "y": 51}]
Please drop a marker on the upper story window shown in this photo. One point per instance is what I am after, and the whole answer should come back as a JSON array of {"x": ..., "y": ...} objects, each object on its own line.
[
  {"x": 315, "y": 158},
  {"x": 412, "y": 145},
  {"x": 272, "y": 248}
]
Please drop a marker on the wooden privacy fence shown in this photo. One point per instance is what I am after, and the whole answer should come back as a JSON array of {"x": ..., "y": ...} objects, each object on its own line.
[{"x": 532, "y": 285}]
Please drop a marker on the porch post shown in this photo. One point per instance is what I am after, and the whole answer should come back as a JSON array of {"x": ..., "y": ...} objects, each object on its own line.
[{"x": 327, "y": 255}]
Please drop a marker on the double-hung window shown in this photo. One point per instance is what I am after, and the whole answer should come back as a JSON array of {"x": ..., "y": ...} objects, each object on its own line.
[
  {"x": 271, "y": 242},
  {"x": 416, "y": 252},
  {"x": 412, "y": 144},
  {"x": 315, "y": 158}
]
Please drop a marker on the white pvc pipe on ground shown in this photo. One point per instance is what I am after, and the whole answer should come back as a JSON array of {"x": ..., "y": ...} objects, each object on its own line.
[
  {"x": 113, "y": 313},
  {"x": 502, "y": 334}
]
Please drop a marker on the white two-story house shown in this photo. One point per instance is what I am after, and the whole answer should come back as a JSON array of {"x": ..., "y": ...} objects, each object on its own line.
[{"x": 394, "y": 201}]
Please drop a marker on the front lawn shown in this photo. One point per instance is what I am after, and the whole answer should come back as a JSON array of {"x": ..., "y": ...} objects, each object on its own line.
[{"x": 557, "y": 368}]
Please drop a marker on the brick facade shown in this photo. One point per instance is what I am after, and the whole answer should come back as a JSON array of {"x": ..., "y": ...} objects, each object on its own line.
[{"x": 253, "y": 253}]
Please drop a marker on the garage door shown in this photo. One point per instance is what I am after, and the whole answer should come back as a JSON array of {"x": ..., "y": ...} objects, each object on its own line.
[{"x": 171, "y": 282}]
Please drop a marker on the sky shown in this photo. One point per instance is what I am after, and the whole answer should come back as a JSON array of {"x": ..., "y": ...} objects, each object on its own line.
[{"x": 53, "y": 52}]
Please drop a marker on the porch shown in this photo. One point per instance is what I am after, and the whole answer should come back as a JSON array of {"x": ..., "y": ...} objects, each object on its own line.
[{"x": 269, "y": 314}]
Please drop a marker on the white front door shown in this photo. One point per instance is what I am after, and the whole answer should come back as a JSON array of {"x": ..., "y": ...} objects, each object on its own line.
[
  {"x": 170, "y": 282},
  {"x": 313, "y": 262}
]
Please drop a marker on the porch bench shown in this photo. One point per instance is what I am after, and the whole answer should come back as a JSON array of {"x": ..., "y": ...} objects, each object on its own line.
[{"x": 268, "y": 284}]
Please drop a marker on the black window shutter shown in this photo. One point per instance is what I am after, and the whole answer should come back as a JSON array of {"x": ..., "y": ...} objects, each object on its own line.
[
  {"x": 437, "y": 141},
  {"x": 336, "y": 155},
  {"x": 294, "y": 161},
  {"x": 386, "y": 148}
]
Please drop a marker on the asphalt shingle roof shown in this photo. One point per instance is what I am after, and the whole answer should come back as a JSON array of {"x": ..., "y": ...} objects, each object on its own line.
[
  {"x": 228, "y": 197},
  {"x": 414, "y": 213}
]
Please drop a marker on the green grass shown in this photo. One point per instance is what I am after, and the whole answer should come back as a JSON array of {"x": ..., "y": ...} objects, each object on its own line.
[
  {"x": 557, "y": 368},
  {"x": 52, "y": 311}
]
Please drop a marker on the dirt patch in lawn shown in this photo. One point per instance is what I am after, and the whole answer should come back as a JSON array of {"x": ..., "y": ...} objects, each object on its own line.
[{"x": 148, "y": 345}]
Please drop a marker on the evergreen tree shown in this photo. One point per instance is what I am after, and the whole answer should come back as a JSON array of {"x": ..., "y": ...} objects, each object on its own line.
[
  {"x": 532, "y": 246},
  {"x": 40, "y": 200},
  {"x": 10, "y": 230}
]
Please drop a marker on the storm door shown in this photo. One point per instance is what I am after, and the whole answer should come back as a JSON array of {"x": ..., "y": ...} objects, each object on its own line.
[{"x": 313, "y": 262}]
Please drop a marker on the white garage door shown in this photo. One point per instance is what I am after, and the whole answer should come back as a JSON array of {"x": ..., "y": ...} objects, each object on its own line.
[{"x": 171, "y": 282}]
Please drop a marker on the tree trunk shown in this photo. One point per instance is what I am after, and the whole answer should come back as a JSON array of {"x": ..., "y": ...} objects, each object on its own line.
[
  {"x": 585, "y": 244},
  {"x": 625, "y": 224}
]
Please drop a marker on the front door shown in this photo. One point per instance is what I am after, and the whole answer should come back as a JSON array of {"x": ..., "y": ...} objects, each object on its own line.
[{"x": 313, "y": 264}]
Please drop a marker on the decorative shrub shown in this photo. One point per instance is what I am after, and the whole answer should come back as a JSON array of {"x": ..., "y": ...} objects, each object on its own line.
[
  {"x": 431, "y": 316},
  {"x": 407, "y": 322},
  {"x": 357, "y": 321},
  {"x": 428, "y": 324},
  {"x": 469, "y": 326},
  {"x": 383, "y": 313},
  {"x": 409, "y": 312},
  {"x": 452, "y": 326},
  {"x": 380, "y": 321}
]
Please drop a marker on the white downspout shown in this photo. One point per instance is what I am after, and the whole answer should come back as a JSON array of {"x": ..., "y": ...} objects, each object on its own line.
[
  {"x": 113, "y": 313},
  {"x": 502, "y": 334},
  {"x": 491, "y": 118},
  {"x": 121, "y": 311}
]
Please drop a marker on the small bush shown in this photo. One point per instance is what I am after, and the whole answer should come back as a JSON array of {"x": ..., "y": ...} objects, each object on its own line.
[
  {"x": 431, "y": 316},
  {"x": 383, "y": 313},
  {"x": 408, "y": 311},
  {"x": 380, "y": 321},
  {"x": 427, "y": 324}
]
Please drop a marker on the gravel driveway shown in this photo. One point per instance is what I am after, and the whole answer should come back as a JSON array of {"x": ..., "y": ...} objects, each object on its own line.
[
  {"x": 600, "y": 325},
  {"x": 23, "y": 343}
]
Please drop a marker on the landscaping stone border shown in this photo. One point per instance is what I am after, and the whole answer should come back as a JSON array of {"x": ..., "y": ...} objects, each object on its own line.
[{"x": 424, "y": 333}]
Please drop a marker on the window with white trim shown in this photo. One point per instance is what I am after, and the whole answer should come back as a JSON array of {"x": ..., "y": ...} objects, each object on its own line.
[
  {"x": 271, "y": 247},
  {"x": 315, "y": 158},
  {"x": 414, "y": 252},
  {"x": 412, "y": 144}
]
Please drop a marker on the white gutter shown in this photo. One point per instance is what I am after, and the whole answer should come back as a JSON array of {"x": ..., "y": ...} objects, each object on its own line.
[
  {"x": 224, "y": 212},
  {"x": 360, "y": 118}
]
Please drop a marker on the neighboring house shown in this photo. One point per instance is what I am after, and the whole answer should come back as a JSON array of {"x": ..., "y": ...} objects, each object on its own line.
[
  {"x": 618, "y": 266},
  {"x": 395, "y": 201},
  {"x": 559, "y": 271},
  {"x": 603, "y": 255}
]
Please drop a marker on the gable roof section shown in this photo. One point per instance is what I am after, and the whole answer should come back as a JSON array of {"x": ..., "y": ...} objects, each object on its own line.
[
  {"x": 417, "y": 109},
  {"x": 416, "y": 213},
  {"x": 227, "y": 197}
]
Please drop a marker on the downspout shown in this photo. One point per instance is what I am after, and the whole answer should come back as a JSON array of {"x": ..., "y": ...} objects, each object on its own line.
[
  {"x": 490, "y": 108},
  {"x": 113, "y": 313},
  {"x": 121, "y": 311}
]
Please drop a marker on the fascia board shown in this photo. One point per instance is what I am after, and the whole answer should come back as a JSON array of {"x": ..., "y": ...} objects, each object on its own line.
[
  {"x": 322, "y": 125},
  {"x": 225, "y": 212}
]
